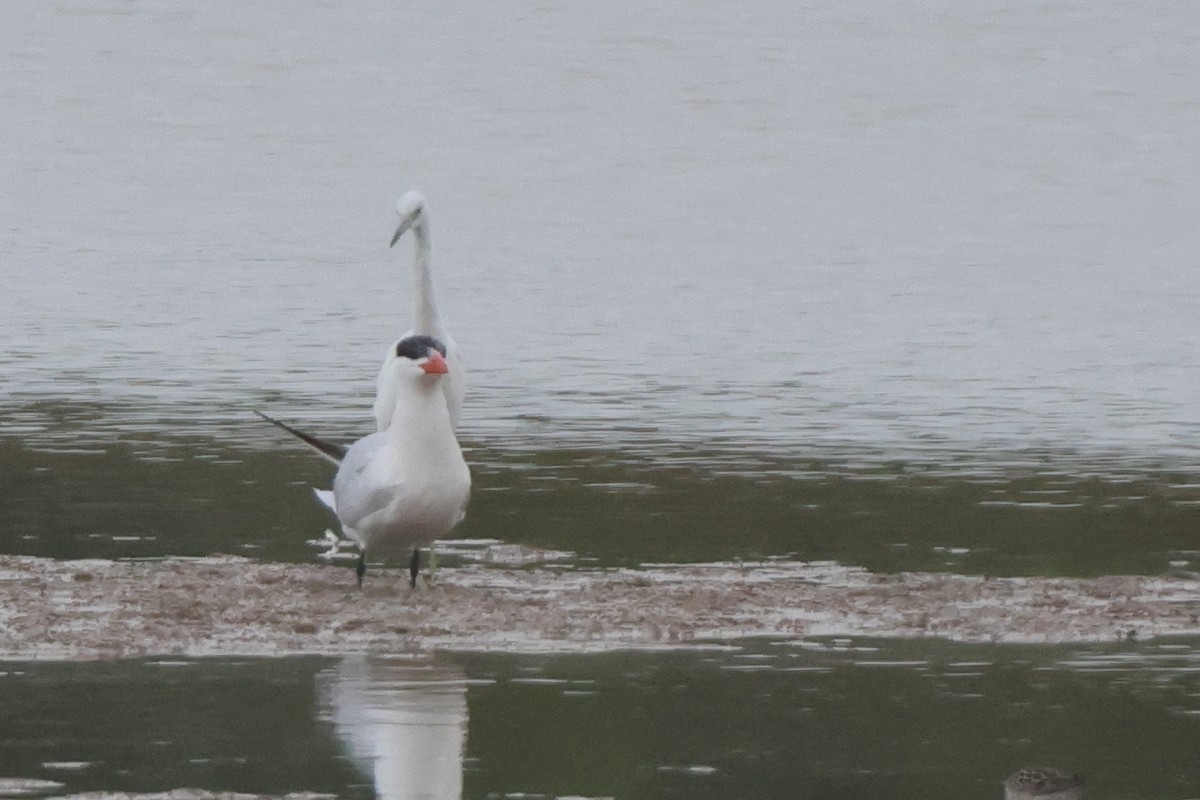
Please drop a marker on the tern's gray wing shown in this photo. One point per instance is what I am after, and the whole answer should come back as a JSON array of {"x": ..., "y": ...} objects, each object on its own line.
[{"x": 363, "y": 484}]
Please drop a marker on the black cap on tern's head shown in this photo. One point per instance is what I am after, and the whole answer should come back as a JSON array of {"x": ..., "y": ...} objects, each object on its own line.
[
  {"x": 418, "y": 346},
  {"x": 427, "y": 352}
]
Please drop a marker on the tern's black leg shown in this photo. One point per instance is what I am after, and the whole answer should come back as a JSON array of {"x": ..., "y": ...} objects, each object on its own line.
[
  {"x": 414, "y": 566},
  {"x": 360, "y": 569}
]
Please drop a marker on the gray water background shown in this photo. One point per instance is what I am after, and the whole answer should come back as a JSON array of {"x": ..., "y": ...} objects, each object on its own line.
[{"x": 897, "y": 227}]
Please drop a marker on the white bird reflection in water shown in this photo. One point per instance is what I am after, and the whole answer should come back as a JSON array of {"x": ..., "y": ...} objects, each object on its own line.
[{"x": 403, "y": 723}]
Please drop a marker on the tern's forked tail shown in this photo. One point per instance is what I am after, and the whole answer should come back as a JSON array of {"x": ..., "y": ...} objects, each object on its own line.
[{"x": 330, "y": 450}]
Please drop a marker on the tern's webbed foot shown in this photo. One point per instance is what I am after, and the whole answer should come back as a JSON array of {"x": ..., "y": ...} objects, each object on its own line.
[{"x": 360, "y": 569}]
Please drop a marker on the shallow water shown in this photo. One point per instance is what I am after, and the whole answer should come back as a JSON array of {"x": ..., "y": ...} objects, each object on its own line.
[
  {"x": 894, "y": 286},
  {"x": 615, "y": 507},
  {"x": 911, "y": 290},
  {"x": 837, "y": 718}
]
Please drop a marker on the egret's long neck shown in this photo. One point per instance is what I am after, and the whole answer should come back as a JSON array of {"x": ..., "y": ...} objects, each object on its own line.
[{"x": 429, "y": 321}]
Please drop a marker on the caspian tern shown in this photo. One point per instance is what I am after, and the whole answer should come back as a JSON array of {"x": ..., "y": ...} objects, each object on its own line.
[
  {"x": 413, "y": 209},
  {"x": 408, "y": 485}
]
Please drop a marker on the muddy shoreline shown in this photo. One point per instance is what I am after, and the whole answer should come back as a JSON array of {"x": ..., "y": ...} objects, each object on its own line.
[{"x": 232, "y": 606}]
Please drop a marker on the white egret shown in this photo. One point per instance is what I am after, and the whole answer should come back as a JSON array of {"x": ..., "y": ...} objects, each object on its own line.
[{"x": 413, "y": 209}]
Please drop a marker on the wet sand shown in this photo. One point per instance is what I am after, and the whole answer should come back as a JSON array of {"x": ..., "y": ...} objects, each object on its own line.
[
  {"x": 21, "y": 787},
  {"x": 226, "y": 605}
]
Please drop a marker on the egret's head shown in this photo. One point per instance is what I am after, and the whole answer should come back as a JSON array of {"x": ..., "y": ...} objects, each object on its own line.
[{"x": 412, "y": 210}]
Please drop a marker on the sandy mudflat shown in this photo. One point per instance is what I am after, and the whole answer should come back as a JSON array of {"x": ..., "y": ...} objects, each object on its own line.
[
  {"x": 22, "y": 787},
  {"x": 227, "y": 605}
]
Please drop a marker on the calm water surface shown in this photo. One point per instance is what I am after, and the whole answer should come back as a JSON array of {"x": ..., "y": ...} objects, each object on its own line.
[
  {"x": 851, "y": 226},
  {"x": 903, "y": 285},
  {"x": 828, "y": 719}
]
